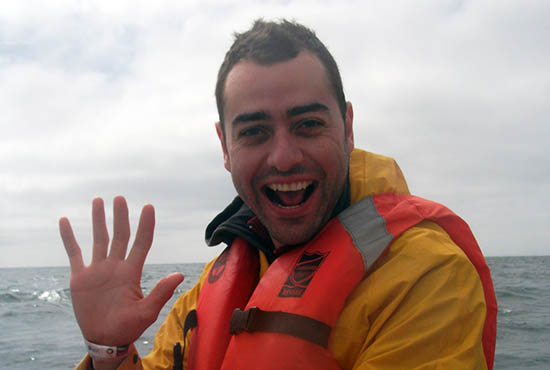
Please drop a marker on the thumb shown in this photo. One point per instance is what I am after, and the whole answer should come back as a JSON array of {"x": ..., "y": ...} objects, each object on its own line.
[{"x": 161, "y": 293}]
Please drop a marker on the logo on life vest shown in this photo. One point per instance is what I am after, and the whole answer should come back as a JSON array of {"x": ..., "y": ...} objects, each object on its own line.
[
  {"x": 219, "y": 266},
  {"x": 302, "y": 274}
]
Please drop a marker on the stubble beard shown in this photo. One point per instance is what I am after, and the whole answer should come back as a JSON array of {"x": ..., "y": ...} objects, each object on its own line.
[{"x": 298, "y": 230}]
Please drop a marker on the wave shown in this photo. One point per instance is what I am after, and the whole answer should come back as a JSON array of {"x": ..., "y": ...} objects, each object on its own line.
[
  {"x": 9, "y": 297},
  {"x": 51, "y": 296},
  {"x": 521, "y": 292}
]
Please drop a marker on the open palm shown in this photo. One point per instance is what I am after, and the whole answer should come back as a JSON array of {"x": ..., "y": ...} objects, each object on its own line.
[{"x": 107, "y": 299}]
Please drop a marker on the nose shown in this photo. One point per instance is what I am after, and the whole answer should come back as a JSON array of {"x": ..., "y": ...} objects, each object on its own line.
[{"x": 285, "y": 153}]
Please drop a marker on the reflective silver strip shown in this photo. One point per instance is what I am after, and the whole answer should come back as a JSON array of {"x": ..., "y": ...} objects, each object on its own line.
[{"x": 367, "y": 229}]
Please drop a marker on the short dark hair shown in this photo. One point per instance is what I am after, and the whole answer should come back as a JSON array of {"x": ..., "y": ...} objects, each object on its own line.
[{"x": 268, "y": 43}]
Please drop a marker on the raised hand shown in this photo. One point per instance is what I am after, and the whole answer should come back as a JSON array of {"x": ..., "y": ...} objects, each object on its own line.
[{"x": 107, "y": 299}]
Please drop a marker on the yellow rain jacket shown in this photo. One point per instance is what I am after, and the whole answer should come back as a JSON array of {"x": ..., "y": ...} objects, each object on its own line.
[{"x": 421, "y": 307}]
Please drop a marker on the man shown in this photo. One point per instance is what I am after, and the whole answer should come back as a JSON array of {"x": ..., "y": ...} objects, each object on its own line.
[{"x": 331, "y": 264}]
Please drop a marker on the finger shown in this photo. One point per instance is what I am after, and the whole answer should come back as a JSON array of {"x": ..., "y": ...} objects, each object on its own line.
[
  {"x": 121, "y": 229},
  {"x": 71, "y": 246},
  {"x": 101, "y": 235},
  {"x": 144, "y": 237},
  {"x": 161, "y": 293}
]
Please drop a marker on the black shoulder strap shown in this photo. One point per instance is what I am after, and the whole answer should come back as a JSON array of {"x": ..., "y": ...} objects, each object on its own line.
[{"x": 189, "y": 324}]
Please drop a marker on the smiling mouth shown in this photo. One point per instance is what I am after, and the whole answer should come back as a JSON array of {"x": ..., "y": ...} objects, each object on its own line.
[{"x": 290, "y": 195}]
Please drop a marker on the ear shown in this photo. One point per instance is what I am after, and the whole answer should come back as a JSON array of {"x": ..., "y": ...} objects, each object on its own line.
[
  {"x": 226, "y": 162},
  {"x": 349, "y": 127}
]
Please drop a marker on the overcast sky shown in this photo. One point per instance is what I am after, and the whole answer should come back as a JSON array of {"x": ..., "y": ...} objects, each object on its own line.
[{"x": 104, "y": 98}]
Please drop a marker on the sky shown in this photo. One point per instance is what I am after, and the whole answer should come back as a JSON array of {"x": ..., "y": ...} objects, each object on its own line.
[{"x": 117, "y": 97}]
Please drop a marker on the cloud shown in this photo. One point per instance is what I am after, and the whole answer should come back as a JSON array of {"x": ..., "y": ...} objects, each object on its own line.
[{"x": 107, "y": 98}]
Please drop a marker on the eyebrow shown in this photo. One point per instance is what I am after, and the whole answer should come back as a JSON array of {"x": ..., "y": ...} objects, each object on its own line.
[
  {"x": 301, "y": 109},
  {"x": 250, "y": 117}
]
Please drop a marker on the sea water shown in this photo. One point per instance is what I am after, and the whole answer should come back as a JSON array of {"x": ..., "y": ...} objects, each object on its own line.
[
  {"x": 37, "y": 325},
  {"x": 38, "y": 329}
]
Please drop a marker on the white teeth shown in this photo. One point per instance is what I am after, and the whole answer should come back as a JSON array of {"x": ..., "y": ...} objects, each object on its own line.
[
  {"x": 295, "y": 186},
  {"x": 288, "y": 207}
]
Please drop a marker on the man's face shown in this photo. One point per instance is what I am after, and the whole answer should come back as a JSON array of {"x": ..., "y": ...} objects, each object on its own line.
[{"x": 287, "y": 146}]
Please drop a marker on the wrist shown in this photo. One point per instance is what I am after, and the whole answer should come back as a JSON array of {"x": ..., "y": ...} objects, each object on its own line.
[{"x": 105, "y": 356}]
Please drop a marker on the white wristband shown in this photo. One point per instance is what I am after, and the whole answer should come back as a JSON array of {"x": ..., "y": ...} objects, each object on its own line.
[{"x": 98, "y": 352}]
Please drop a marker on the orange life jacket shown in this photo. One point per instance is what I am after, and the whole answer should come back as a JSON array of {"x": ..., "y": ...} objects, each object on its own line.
[{"x": 285, "y": 321}]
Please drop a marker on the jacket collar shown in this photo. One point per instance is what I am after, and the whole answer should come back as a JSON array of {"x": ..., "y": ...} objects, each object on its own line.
[{"x": 237, "y": 219}]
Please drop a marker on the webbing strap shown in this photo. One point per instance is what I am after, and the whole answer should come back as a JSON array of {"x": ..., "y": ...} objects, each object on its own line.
[
  {"x": 189, "y": 324},
  {"x": 299, "y": 326}
]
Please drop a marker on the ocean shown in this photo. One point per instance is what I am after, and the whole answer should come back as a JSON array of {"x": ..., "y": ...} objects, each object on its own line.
[{"x": 38, "y": 329}]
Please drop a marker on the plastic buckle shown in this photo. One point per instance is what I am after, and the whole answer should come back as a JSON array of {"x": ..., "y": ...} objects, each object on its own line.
[{"x": 241, "y": 320}]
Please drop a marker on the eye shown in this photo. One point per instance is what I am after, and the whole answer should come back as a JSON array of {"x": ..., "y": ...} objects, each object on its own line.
[
  {"x": 309, "y": 126},
  {"x": 253, "y": 135},
  {"x": 250, "y": 132},
  {"x": 310, "y": 123}
]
